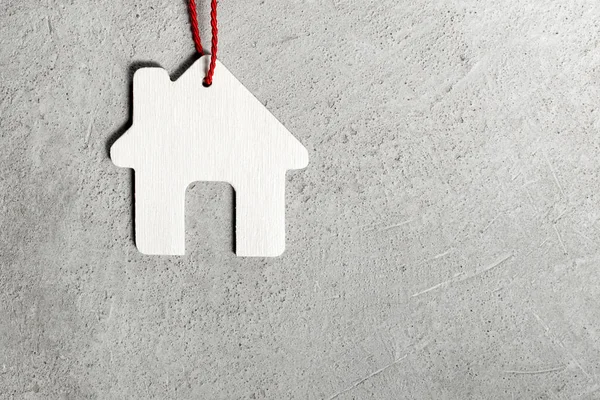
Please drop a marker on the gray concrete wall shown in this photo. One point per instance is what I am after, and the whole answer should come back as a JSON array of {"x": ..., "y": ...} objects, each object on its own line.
[{"x": 444, "y": 242}]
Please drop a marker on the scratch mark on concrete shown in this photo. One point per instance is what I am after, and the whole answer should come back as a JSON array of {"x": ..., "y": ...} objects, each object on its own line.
[
  {"x": 531, "y": 201},
  {"x": 387, "y": 228},
  {"x": 491, "y": 222},
  {"x": 540, "y": 245},
  {"x": 562, "y": 244},
  {"x": 541, "y": 371},
  {"x": 460, "y": 277},
  {"x": 89, "y": 131},
  {"x": 437, "y": 256},
  {"x": 432, "y": 288},
  {"x": 110, "y": 311},
  {"x": 359, "y": 382},
  {"x": 554, "y": 175},
  {"x": 575, "y": 361},
  {"x": 492, "y": 266},
  {"x": 474, "y": 68},
  {"x": 560, "y": 343},
  {"x": 445, "y": 253},
  {"x": 526, "y": 184},
  {"x": 459, "y": 232},
  {"x": 90, "y": 128},
  {"x": 541, "y": 322},
  {"x": 560, "y": 216},
  {"x": 289, "y": 39}
]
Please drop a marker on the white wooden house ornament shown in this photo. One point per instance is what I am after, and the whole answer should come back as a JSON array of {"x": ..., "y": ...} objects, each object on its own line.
[{"x": 183, "y": 132}]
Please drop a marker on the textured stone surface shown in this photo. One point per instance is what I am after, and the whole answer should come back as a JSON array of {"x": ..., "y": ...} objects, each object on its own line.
[{"x": 442, "y": 244}]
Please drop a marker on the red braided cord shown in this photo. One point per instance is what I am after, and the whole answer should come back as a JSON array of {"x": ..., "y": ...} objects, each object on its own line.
[
  {"x": 213, "y": 46},
  {"x": 198, "y": 42},
  {"x": 195, "y": 31}
]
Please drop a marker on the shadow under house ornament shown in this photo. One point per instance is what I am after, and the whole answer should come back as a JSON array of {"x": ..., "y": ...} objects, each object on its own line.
[{"x": 183, "y": 132}]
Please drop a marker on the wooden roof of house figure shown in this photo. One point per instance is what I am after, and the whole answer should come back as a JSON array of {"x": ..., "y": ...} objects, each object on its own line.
[{"x": 183, "y": 132}]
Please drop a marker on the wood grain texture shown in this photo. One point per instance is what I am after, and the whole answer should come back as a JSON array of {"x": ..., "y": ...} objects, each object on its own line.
[{"x": 183, "y": 132}]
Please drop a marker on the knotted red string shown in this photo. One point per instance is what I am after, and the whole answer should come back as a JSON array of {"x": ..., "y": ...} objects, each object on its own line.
[{"x": 198, "y": 42}]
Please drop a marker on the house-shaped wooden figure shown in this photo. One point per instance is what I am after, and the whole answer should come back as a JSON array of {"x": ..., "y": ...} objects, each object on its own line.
[{"x": 183, "y": 132}]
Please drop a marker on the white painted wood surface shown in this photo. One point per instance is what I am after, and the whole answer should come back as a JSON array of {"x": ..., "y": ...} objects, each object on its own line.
[{"x": 183, "y": 132}]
